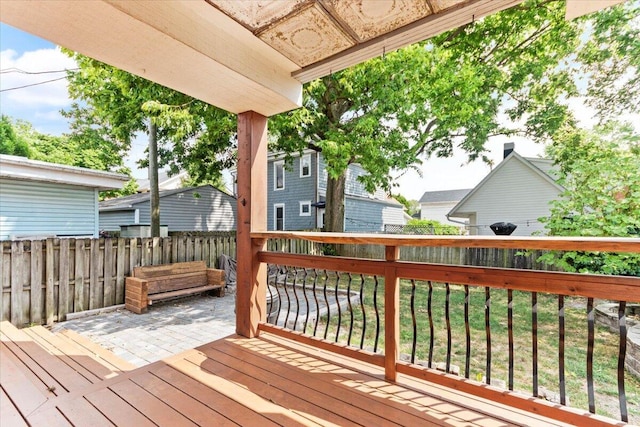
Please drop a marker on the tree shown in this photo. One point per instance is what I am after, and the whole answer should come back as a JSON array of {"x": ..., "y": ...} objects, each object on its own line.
[
  {"x": 10, "y": 143},
  {"x": 455, "y": 89},
  {"x": 74, "y": 150},
  {"x": 117, "y": 106},
  {"x": 411, "y": 207},
  {"x": 600, "y": 171}
]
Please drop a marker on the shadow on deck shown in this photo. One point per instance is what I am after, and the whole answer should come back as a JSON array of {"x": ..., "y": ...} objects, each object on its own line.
[{"x": 232, "y": 381}]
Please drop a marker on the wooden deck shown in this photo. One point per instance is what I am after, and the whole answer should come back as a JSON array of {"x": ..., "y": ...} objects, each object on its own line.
[{"x": 58, "y": 380}]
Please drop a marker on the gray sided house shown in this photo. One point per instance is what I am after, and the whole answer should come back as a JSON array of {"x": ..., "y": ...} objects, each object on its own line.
[
  {"x": 519, "y": 190},
  {"x": 296, "y": 197},
  {"x": 203, "y": 208},
  {"x": 39, "y": 199},
  {"x": 435, "y": 205}
]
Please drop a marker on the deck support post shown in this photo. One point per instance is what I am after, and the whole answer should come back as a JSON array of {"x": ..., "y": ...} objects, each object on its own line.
[
  {"x": 251, "y": 216},
  {"x": 391, "y": 314}
]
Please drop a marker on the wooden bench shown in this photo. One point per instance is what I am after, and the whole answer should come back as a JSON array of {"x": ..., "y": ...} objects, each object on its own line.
[{"x": 158, "y": 282}]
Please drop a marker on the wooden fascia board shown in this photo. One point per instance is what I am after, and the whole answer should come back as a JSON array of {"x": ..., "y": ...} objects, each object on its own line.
[{"x": 200, "y": 52}]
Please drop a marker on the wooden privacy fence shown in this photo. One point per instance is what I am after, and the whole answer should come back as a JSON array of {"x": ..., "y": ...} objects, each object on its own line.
[
  {"x": 486, "y": 257},
  {"x": 44, "y": 280}
]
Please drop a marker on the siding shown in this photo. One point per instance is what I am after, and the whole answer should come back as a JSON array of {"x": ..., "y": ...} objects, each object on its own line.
[
  {"x": 363, "y": 215},
  {"x": 438, "y": 212},
  {"x": 212, "y": 211},
  {"x": 353, "y": 187},
  {"x": 515, "y": 194},
  {"x": 41, "y": 209},
  {"x": 111, "y": 221},
  {"x": 296, "y": 189}
]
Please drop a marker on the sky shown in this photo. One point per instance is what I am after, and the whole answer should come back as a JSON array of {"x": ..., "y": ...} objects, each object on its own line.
[{"x": 41, "y": 105}]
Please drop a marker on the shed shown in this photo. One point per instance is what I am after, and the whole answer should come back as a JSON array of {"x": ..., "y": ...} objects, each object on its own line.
[
  {"x": 40, "y": 199},
  {"x": 203, "y": 208}
]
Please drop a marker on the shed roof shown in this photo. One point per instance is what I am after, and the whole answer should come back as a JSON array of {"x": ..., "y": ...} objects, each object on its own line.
[
  {"x": 34, "y": 170},
  {"x": 129, "y": 202}
]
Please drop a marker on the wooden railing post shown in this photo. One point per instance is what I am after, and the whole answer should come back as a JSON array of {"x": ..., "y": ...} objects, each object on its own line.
[
  {"x": 391, "y": 314},
  {"x": 252, "y": 216}
]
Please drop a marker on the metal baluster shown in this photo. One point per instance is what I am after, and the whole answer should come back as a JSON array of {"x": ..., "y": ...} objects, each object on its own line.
[
  {"x": 622, "y": 322},
  {"x": 306, "y": 299},
  {"x": 590, "y": 340},
  {"x": 487, "y": 328},
  {"x": 375, "y": 307},
  {"x": 562, "y": 382},
  {"x": 364, "y": 313},
  {"x": 295, "y": 294},
  {"x": 286, "y": 291},
  {"x": 326, "y": 302},
  {"x": 467, "y": 332},
  {"x": 430, "y": 314},
  {"x": 510, "y": 331},
  {"x": 277, "y": 285},
  {"x": 534, "y": 340},
  {"x": 447, "y": 303},
  {"x": 413, "y": 321},
  {"x": 315, "y": 298},
  {"x": 350, "y": 309},
  {"x": 270, "y": 299},
  {"x": 338, "y": 304}
]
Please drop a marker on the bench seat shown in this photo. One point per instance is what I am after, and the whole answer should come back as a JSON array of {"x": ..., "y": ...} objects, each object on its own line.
[{"x": 160, "y": 282}]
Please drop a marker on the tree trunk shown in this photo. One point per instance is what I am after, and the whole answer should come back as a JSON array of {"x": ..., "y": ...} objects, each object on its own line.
[
  {"x": 334, "y": 210},
  {"x": 153, "y": 181}
]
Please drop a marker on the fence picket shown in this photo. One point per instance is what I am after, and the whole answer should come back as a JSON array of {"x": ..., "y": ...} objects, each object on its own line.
[
  {"x": 121, "y": 253},
  {"x": 36, "y": 282},
  {"x": 17, "y": 251},
  {"x": 109, "y": 285},
  {"x": 96, "y": 292},
  {"x": 78, "y": 300},
  {"x": 63, "y": 284},
  {"x": 49, "y": 300}
]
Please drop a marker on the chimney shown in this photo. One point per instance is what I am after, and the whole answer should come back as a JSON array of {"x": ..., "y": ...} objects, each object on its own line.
[{"x": 508, "y": 149}]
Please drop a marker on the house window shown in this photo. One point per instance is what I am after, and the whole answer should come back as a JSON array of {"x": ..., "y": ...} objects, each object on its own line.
[
  {"x": 305, "y": 165},
  {"x": 305, "y": 208},
  {"x": 278, "y": 216},
  {"x": 278, "y": 175}
]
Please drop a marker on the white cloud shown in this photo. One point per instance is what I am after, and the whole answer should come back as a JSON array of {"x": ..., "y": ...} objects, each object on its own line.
[{"x": 47, "y": 95}]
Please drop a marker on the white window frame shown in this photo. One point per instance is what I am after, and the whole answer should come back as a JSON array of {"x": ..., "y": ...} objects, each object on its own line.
[
  {"x": 308, "y": 204},
  {"x": 306, "y": 158},
  {"x": 275, "y": 215},
  {"x": 276, "y": 165}
]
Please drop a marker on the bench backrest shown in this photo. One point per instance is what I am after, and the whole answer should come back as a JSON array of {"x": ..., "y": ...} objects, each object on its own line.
[{"x": 170, "y": 277}]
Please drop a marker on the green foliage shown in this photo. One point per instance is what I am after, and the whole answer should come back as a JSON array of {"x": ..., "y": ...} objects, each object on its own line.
[
  {"x": 115, "y": 107},
  {"x": 10, "y": 143},
  {"x": 411, "y": 207},
  {"x": 430, "y": 226},
  {"x": 391, "y": 113},
  {"x": 600, "y": 173}
]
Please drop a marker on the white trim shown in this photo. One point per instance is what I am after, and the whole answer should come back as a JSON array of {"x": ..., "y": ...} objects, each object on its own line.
[
  {"x": 96, "y": 214},
  {"x": 136, "y": 216},
  {"x": 308, "y": 204},
  {"x": 275, "y": 215},
  {"x": 304, "y": 157},
  {"x": 275, "y": 175}
]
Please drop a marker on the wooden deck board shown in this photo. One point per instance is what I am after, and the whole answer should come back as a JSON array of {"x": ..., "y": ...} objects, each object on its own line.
[
  {"x": 235, "y": 381},
  {"x": 116, "y": 363}
]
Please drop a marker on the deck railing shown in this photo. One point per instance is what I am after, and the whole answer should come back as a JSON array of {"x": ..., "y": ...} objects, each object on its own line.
[{"x": 491, "y": 332}]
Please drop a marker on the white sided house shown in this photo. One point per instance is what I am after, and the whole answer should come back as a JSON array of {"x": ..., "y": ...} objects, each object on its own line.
[
  {"x": 519, "y": 190},
  {"x": 40, "y": 199},
  {"x": 203, "y": 208}
]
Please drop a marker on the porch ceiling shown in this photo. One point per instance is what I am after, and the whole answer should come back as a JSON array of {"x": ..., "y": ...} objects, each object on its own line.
[{"x": 240, "y": 55}]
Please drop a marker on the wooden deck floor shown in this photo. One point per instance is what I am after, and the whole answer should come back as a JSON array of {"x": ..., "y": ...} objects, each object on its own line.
[{"x": 262, "y": 382}]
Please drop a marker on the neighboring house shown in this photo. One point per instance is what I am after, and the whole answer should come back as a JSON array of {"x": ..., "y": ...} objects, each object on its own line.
[
  {"x": 39, "y": 199},
  {"x": 203, "y": 208},
  {"x": 519, "y": 190},
  {"x": 165, "y": 182},
  {"x": 435, "y": 205},
  {"x": 296, "y": 197}
]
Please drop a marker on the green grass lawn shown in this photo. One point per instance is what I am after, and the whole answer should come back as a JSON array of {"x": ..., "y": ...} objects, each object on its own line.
[{"x": 605, "y": 350}]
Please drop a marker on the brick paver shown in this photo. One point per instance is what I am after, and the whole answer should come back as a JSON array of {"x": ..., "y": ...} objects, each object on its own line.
[{"x": 166, "y": 329}]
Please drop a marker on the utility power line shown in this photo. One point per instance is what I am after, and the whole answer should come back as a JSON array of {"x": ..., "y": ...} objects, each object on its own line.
[{"x": 33, "y": 84}]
